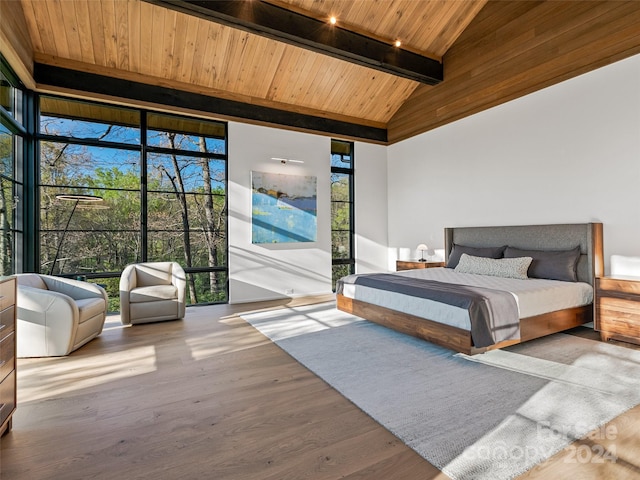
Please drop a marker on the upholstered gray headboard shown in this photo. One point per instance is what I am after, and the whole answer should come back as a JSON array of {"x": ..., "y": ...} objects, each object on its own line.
[{"x": 538, "y": 237}]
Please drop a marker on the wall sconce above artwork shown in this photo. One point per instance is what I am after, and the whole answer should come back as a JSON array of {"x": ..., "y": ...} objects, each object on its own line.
[{"x": 284, "y": 161}]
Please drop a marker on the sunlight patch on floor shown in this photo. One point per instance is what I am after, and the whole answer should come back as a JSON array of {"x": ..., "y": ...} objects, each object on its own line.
[{"x": 80, "y": 372}]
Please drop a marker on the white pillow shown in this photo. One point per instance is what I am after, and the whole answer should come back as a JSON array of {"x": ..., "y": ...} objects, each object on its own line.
[{"x": 496, "y": 267}]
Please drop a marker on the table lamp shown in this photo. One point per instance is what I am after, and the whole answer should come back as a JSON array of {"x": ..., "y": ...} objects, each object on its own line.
[{"x": 422, "y": 247}]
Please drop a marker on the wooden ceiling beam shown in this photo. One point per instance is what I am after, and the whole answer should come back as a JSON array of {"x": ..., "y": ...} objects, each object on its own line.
[
  {"x": 277, "y": 23},
  {"x": 89, "y": 85}
]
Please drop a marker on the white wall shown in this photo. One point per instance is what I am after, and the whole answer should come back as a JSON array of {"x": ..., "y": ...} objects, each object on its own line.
[
  {"x": 371, "y": 208},
  {"x": 568, "y": 153},
  {"x": 268, "y": 271},
  {"x": 263, "y": 272}
]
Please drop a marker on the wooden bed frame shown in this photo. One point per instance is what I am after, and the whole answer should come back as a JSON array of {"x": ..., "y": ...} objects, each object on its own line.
[{"x": 536, "y": 237}]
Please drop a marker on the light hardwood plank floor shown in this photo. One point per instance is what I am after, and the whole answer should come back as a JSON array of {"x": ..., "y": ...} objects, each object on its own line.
[{"x": 209, "y": 397}]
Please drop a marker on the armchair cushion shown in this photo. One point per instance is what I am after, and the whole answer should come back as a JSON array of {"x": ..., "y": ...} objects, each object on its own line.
[
  {"x": 89, "y": 308},
  {"x": 153, "y": 293}
]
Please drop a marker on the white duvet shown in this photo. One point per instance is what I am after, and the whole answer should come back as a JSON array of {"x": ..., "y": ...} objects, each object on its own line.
[{"x": 533, "y": 296}]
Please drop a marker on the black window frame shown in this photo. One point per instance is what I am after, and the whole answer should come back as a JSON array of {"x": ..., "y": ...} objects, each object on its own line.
[
  {"x": 350, "y": 172},
  {"x": 144, "y": 150},
  {"x": 17, "y": 122}
]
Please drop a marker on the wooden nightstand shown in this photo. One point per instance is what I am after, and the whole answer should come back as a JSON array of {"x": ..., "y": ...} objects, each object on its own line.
[
  {"x": 618, "y": 308},
  {"x": 411, "y": 264}
]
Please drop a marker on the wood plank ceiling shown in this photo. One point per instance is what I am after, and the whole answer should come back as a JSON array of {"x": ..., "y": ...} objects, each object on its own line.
[
  {"x": 152, "y": 53},
  {"x": 143, "y": 42}
]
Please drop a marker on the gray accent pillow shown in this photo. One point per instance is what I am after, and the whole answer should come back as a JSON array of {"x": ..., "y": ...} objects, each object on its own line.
[
  {"x": 496, "y": 267},
  {"x": 488, "y": 252},
  {"x": 550, "y": 264}
]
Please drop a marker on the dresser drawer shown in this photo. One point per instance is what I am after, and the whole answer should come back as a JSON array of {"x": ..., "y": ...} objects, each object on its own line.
[
  {"x": 618, "y": 287},
  {"x": 7, "y": 396},
  {"x": 618, "y": 315},
  {"x": 7, "y": 322},
  {"x": 7, "y": 355},
  {"x": 7, "y": 293}
]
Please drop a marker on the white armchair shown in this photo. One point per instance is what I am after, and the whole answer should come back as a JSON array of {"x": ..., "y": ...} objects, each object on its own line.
[
  {"x": 57, "y": 315},
  {"x": 152, "y": 292}
]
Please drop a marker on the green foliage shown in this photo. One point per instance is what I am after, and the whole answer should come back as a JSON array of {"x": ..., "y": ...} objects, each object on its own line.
[
  {"x": 6, "y": 154},
  {"x": 339, "y": 271},
  {"x": 6, "y": 202}
]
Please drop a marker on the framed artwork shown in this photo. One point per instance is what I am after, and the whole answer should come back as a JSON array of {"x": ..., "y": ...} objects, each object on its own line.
[{"x": 284, "y": 208}]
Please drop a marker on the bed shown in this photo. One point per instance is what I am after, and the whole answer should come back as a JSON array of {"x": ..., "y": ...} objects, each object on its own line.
[{"x": 400, "y": 302}]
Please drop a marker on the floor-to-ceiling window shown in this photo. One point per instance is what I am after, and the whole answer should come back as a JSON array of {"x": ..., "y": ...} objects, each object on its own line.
[
  {"x": 186, "y": 167},
  {"x": 120, "y": 185},
  {"x": 342, "y": 221},
  {"x": 12, "y": 135}
]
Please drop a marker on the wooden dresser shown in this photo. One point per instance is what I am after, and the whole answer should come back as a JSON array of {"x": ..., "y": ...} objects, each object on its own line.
[
  {"x": 7, "y": 352},
  {"x": 618, "y": 308},
  {"x": 411, "y": 264}
]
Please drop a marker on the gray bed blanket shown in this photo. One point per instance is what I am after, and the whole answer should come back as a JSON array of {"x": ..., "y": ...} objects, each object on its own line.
[{"x": 493, "y": 313}]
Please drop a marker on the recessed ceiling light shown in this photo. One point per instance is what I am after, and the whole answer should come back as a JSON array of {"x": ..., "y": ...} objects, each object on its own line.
[
  {"x": 397, "y": 43},
  {"x": 332, "y": 20}
]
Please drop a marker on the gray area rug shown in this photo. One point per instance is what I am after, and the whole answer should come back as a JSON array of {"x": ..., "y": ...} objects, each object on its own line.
[{"x": 490, "y": 416}]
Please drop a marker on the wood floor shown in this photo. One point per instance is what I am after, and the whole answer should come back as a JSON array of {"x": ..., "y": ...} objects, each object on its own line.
[{"x": 210, "y": 398}]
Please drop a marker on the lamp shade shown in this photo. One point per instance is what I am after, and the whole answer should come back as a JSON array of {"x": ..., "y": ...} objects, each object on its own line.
[
  {"x": 626, "y": 266},
  {"x": 422, "y": 246}
]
